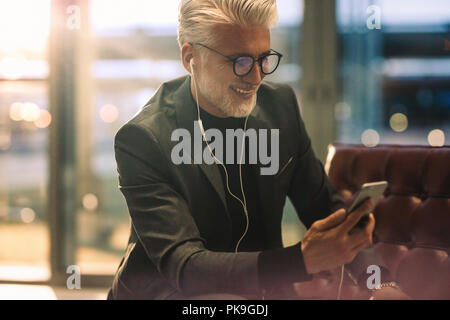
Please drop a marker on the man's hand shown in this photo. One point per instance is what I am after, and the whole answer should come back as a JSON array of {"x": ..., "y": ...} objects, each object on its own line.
[{"x": 328, "y": 244}]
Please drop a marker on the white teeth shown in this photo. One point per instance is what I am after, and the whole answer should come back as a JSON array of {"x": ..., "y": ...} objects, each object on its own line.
[{"x": 242, "y": 91}]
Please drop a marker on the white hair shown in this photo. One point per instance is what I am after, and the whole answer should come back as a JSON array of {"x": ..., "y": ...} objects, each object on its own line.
[{"x": 197, "y": 17}]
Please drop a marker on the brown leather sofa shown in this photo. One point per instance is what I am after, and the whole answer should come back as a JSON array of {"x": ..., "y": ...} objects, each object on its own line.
[{"x": 412, "y": 232}]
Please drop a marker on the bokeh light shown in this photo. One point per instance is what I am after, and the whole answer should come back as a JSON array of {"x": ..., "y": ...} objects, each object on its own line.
[
  {"x": 15, "y": 111},
  {"x": 27, "y": 215},
  {"x": 370, "y": 138},
  {"x": 436, "y": 138},
  {"x": 44, "y": 120},
  {"x": 398, "y": 122},
  {"x": 90, "y": 201},
  {"x": 109, "y": 113},
  {"x": 30, "y": 111}
]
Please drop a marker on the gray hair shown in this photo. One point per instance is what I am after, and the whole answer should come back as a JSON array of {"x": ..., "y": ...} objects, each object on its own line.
[{"x": 197, "y": 17}]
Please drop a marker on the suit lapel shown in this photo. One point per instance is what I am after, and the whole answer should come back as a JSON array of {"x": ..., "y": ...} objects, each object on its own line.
[
  {"x": 265, "y": 184},
  {"x": 186, "y": 112}
]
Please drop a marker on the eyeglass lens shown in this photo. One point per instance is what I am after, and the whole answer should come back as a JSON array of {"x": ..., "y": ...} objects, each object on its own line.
[{"x": 244, "y": 64}]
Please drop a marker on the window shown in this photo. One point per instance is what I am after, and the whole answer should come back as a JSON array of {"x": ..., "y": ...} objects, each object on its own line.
[
  {"x": 395, "y": 76},
  {"x": 24, "y": 123},
  {"x": 100, "y": 75}
]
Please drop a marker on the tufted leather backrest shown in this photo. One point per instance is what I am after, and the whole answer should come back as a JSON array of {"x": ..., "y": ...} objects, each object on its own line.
[{"x": 412, "y": 231}]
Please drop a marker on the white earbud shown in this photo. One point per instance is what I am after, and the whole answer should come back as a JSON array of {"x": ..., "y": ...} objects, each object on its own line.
[
  {"x": 200, "y": 123},
  {"x": 191, "y": 63}
]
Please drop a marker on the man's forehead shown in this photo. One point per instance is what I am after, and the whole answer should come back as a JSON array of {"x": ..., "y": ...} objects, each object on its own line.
[{"x": 234, "y": 39}]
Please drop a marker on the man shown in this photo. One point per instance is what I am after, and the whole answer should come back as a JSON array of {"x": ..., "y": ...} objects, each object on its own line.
[{"x": 213, "y": 230}]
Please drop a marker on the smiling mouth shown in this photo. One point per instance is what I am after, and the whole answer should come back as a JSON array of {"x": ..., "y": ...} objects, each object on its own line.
[{"x": 242, "y": 92}]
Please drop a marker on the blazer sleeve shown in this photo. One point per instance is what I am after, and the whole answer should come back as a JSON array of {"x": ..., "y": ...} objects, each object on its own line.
[
  {"x": 165, "y": 227},
  {"x": 314, "y": 197}
]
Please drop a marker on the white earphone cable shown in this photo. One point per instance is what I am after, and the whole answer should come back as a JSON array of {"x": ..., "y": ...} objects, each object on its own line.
[
  {"x": 243, "y": 203},
  {"x": 340, "y": 283}
]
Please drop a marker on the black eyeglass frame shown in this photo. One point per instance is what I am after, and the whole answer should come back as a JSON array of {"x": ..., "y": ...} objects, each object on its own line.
[{"x": 234, "y": 60}]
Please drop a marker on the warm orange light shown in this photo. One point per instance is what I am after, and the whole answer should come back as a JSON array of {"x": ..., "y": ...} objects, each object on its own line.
[
  {"x": 29, "y": 111},
  {"x": 44, "y": 120},
  {"x": 15, "y": 111}
]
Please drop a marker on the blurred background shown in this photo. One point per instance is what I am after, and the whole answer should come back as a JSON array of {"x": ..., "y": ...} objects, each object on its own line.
[{"x": 73, "y": 72}]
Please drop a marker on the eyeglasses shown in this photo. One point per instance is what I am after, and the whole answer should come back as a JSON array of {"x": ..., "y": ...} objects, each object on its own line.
[{"x": 243, "y": 65}]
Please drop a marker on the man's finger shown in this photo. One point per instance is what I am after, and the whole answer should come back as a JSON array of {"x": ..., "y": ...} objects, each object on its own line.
[
  {"x": 370, "y": 226},
  {"x": 361, "y": 247},
  {"x": 331, "y": 221},
  {"x": 363, "y": 236},
  {"x": 354, "y": 217},
  {"x": 364, "y": 232}
]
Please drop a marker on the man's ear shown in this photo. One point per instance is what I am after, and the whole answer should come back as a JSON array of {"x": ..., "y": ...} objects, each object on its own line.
[{"x": 187, "y": 54}]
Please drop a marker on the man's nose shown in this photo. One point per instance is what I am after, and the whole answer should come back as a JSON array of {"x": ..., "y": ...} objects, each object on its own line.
[{"x": 255, "y": 76}]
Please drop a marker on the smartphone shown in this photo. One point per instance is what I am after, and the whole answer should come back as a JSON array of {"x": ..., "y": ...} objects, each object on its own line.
[{"x": 372, "y": 190}]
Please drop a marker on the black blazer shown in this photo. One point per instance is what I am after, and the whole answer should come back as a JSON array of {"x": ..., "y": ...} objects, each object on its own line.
[{"x": 180, "y": 242}]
